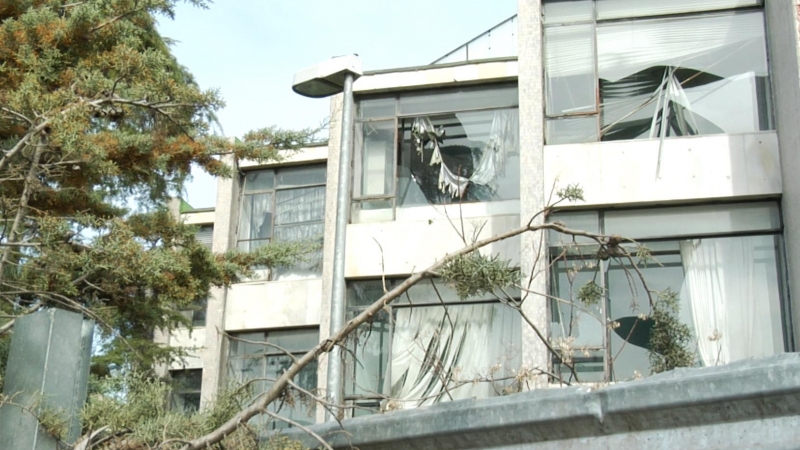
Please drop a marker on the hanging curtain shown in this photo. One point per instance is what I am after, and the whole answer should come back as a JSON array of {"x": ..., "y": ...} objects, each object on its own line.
[
  {"x": 431, "y": 352},
  {"x": 298, "y": 217},
  {"x": 256, "y": 218},
  {"x": 730, "y": 299},
  {"x": 503, "y": 138}
]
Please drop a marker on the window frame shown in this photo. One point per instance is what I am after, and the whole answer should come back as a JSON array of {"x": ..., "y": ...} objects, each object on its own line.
[
  {"x": 596, "y": 22},
  {"x": 356, "y": 402},
  {"x": 271, "y": 351},
  {"x": 554, "y": 256},
  {"x": 398, "y": 116},
  {"x": 274, "y": 192},
  {"x": 180, "y": 391}
]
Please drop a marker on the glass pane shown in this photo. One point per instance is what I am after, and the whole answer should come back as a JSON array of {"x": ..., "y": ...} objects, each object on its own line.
[
  {"x": 584, "y": 221},
  {"x": 616, "y": 9},
  {"x": 241, "y": 370},
  {"x": 459, "y": 157},
  {"x": 301, "y": 176},
  {"x": 366, "y": 211},
  {"x": 683, "y": 77},
  {"x": 301, "y": 410},
  {"x": 187, "y": 380},
  {"x": 311, "y": 266},
  {"x": 570, "y": 77},
  {"x": 732, "y": 288},
  {"x": 587, "y": 363},
  {"x": 577, "y": 130},
  {"x": 205, "y": 235},
  {"x": 293, "y": 340},
  {"x": 578, "y": 324},
  {"x": 457, "y": 101},
  {"x": 255, "y": 220},
  {"x": 243, "y": 344},
  {"x": 199, "y": 313},
  {"x": 364, "y": 293},
  {"x": 693, "y": 220},
  {"x": 259, "y": 180},
  {"x": 367, "y": 360},
  {"x": 300, "y": 205},
  {"x": 186, "y": 402},
  {"x": 381, "y": 107},
  {"x": 375, "y": 167},
  {"x": 628, "y": 300},
  {"x": 434, "y": 351},
  {"x": 249, "y": 246},
  {"x": 561, "y": 11}
]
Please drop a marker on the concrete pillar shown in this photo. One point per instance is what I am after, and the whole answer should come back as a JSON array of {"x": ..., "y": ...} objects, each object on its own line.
[
  {"x": 784, "y": 65},
  {"x": 48, "y": 369},
  {"x": 533, "y": 259},
  {"x": 225, "y": 226}
]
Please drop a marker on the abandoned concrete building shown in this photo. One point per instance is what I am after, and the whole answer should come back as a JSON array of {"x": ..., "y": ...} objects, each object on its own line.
[{"x": 679, "y": 121}]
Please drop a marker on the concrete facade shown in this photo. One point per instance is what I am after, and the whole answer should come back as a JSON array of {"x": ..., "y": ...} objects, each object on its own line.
[{"x": 643, "y": 173}]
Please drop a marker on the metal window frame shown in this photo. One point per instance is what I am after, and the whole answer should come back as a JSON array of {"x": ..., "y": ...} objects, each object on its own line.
[
  {"x": 598, "y": 112},
  {"x": 184, "y": 391},
  {"x": 274, "y": 192},
  {"x": 780, "y": 261},
  {"x": 389, "y": 309},
  {"x": 398, "y": 147}
]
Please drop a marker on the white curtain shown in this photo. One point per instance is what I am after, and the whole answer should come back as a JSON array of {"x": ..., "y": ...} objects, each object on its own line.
[
  {"x": 730, "y": 290},
  {"x": 298, "y": 217},
  {"x": 503, "y": 139},
  {"x": 256, "y": 217},
  {"x": 431, "y": 352}
]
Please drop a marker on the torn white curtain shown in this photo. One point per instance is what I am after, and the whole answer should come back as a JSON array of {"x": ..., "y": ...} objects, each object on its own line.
[
  {"x": 432, "y": 353},
  {"x": 729, "y": 293},
  {"x": 503, "y": 138}
]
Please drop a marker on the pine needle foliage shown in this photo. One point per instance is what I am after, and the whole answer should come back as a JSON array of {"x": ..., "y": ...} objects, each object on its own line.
[
  {"x": 96, "y": 111},
  {"x": 669, "y": 338},
  {"x": 475, "y": 274},
  {"x": 136, "y": 409}
]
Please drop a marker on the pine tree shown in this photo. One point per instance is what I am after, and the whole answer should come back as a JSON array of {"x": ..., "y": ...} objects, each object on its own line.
[{"x": 94, "y": 112}]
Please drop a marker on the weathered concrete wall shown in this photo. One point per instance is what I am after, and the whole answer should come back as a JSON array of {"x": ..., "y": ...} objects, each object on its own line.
[
  {"x": 748, "y": 404},
  {"x": 435, "y": 77},
  {"x": 273, "y": 304},
  {"x": 226, "y": 215},
  {"x": 193, "y": 341},
  {"x": 782, "y": 35},
  {"x": 695, "y": 168},
  {"x": 532, "y": 184},
  {"x": 402, "y": 247}
]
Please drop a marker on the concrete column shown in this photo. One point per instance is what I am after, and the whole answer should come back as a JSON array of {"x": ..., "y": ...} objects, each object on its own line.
[
  {"x": 784, "y": 60},
  {"x": 533, "y": 258},
  {"x": 160, "y": 336},
  {"x": 331, "y": 191},
  {"x": 225, "y": 226}
]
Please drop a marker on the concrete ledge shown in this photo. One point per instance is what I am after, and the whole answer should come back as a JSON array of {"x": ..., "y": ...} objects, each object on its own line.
[{"x": 743, "y": 405}]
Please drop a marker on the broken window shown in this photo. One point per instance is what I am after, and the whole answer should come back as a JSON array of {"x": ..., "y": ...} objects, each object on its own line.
[
  {"x": 435, "y": 149},
  {"x": 721, "y": 262},
  {"x": 654, "y": 78},
  {"x": 429, "y": 346},
  {"x": 285, "y": 205}
]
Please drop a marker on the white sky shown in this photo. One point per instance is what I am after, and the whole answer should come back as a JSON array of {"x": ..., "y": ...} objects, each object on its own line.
[{"x": 250, "y": 50}]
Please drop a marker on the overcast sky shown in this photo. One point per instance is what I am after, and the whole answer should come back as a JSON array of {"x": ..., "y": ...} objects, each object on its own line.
[{"x": 250, "y": 50}]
